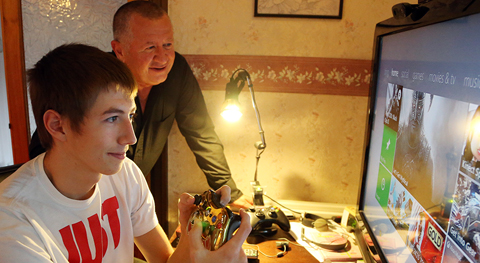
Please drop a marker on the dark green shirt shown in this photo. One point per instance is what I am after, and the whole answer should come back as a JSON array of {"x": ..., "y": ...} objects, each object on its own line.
[{"x": 180, "y": 98}]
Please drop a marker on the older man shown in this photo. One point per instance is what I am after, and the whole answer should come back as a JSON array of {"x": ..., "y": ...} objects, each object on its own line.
[{"x": 167, "y": 91}]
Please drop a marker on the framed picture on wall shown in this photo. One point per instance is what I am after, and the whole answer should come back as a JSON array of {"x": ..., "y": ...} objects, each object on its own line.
[{"x": 299, "y": 8}]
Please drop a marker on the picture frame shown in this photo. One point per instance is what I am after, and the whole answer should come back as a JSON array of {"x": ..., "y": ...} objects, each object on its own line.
[{"x": 331, "y": 9}]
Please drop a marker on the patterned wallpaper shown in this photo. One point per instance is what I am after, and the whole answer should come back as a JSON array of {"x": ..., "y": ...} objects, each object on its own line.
[
  {"x": 286, "y": 74},
  {"x": 217, "y": 27},
  {"x": 51, "y": 23}
]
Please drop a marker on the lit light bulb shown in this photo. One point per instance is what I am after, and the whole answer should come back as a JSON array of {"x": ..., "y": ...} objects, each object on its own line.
[{"x": 231, "y": 113}]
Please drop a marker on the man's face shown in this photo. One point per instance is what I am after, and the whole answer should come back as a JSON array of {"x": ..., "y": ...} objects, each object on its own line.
[
  {"x": 104, "y": 136},
  {"x": 148, "y": 49}
]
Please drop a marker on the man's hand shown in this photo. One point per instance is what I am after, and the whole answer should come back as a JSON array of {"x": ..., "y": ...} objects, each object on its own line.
[
  {"x": 243, "y": 202},
  {"x": 231, "y": 251},
  {"x": 186, "y": 206}
]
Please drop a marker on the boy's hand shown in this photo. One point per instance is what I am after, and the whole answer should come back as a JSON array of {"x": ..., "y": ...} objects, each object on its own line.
[
  {"x": 186, "y": 206},
  {"x": 231, "y": 251}
]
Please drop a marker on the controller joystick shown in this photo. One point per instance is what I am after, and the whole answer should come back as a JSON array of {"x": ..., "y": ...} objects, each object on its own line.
[
  {"x": 263, "y": 218},
  {"x": 218, "y": 222}
]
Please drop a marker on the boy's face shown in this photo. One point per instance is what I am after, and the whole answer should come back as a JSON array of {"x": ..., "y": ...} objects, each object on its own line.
[{"x": 104, "y": 136}]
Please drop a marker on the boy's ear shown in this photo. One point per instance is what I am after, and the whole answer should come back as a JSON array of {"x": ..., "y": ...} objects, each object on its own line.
[
  {"x": 118, "y": 49},
  {"x": 54, "y": 124}
]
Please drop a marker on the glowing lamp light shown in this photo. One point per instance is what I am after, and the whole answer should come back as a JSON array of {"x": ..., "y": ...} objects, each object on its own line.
[{"x": 231, "y": 110}]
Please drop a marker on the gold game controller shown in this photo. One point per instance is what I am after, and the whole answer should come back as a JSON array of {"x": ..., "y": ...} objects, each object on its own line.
[{"x": 218, "y": 221}]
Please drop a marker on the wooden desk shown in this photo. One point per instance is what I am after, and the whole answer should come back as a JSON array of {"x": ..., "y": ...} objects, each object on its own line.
[{"x": 295, "y": 253}]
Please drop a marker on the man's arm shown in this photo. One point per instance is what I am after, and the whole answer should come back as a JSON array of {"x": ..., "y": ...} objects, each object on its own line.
[{"x": 197, "y": 127}]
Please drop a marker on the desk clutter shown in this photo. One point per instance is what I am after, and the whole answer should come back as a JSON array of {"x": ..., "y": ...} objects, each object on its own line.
[
  {"x": 331, "y": 245},
  {"x": 276, "y": 236},
  {"x": 324, "y": 239}
]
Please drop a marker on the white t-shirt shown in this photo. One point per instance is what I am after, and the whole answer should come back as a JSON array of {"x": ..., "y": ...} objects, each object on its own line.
[{"x": 39, "y": 224}]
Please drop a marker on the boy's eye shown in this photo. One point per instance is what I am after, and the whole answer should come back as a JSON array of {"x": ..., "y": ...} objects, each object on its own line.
[{"x": 112, "y": 119}]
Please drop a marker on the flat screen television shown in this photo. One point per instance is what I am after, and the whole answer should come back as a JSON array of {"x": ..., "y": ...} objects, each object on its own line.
[{"x": 420, "y": 192}]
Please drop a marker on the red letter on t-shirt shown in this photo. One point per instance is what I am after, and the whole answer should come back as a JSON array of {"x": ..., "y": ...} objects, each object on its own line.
[
  {"x": 76, "y": 235},
  {"x": 109, "y": 208},
  {"x": 69, "y": 243}
]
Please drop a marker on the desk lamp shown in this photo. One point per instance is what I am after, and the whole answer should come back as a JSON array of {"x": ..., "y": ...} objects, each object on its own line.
[{"x": 231, "y": 112}]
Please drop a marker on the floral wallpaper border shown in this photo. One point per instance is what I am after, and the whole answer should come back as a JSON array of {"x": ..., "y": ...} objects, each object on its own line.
[{"x": 349, "y": 77}]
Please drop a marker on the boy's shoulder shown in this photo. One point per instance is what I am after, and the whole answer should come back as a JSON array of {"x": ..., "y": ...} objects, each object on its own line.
[
  {"x": 20, "y": 182},
  {"x": 31, "y": 178}
]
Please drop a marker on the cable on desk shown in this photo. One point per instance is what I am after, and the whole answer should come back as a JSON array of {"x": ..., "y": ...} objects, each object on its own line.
[
  {"x": 280, "y": 239},
  {"x": 278, "y": 255},
  {"x": 290, "y": 242},
  {"x": 346, "y": 235},
  {"x": 296, "y": 212},
  {"x": 316, "y": 247}
]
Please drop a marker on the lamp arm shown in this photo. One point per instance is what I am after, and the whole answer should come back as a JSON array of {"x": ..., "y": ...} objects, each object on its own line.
[
  {"x": 259, "y": 145},
  {"x": 243, "y": 74}
]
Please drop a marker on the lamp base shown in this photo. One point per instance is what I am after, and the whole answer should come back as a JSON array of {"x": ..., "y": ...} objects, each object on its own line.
[{"x": 257, "y": 193}]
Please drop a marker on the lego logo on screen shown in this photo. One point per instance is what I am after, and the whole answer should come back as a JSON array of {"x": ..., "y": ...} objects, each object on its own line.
[{"x": 435, "y": 236}]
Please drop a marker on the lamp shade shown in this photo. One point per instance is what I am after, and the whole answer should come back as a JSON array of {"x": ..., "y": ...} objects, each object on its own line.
[{"x": 231, "y": 105}]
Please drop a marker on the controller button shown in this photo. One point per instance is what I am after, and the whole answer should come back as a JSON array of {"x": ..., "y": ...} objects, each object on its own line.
[
  {"x": 205, "y": 226},
  {"x": 260, "y": 214},
  {"x": 219, "y": 225},
  {"x": 214, "y": 218},
  {"x": 272, "y": 214}
]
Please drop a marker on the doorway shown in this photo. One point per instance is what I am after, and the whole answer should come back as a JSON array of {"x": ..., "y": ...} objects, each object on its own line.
[{"x": 6, "y": 154}]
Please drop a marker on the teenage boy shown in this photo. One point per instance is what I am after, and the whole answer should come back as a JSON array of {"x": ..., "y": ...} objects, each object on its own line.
[
  {"x": 143, "y": 39},
  {"x": 83, "y": 200}
]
